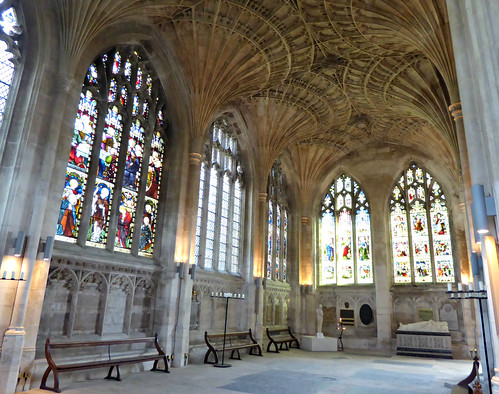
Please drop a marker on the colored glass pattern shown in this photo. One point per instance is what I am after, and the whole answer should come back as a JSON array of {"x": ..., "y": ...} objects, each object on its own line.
[
  {"x": 421, "y": 243},
  {"x": 77, "y": 171},
  {"x": 134, "y": 193},
  {"x": 345, "y": 235}
]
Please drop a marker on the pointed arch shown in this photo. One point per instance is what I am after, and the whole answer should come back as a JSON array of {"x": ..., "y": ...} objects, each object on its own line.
[
  {"x": 220, "y": 203},
  {"x": 345, "y": 232},
  {"x": 118, "y": 147},
  {"x": 277, "y": 229},
  {"x": 420, "y": 231}
]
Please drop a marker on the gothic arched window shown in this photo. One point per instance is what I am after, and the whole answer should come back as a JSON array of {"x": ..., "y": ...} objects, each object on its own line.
[
  {"x": 10, "y": 31},
  {"x": 277, "y": 231},
  {"x": 110, "y": 197},
  {"x": 419, "y": 219},
  {"x": 220, "y": 202},
  {"x": 345, "y": 235}
]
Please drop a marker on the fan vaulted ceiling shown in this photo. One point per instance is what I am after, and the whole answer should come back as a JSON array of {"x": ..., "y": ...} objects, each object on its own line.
[{"x": 317, "y": 79}]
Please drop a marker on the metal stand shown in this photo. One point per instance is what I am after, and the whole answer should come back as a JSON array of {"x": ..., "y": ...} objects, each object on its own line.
[
  {"x": 340, "y": 337},
  {"x": 479, "y": 295},
  {"x": 223, "y": 365}
]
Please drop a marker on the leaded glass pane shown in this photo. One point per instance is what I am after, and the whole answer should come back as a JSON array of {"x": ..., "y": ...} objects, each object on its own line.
[
  {"x": 442, "y": 247},
  {"x": 115, "y": 96},
  {"x": 269, "y": 240},
  {"x": 363, "y": 236},
  {"x": 278, "y": 242},
  {"x": 420, "y": 249},
  {"x": 400, "y": 245},
  {"x": 344, "y": 246},
  {"x": 345, "y": 235},
  {"x": 223, "y": 208},
  {"x": 77, "y": 171},
  {"x": 328, "y": 266}
]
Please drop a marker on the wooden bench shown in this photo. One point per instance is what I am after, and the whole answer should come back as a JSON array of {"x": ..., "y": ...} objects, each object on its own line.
[
  {"x": 281, "y": 336},
  {"x": 110, "y": 361},
  {"x": 234, "y": 341}
]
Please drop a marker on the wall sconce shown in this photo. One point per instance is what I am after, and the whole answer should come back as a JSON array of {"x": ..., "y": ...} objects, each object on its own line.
[
  {"x": 305, "y": 289},
  {"x": 19, "y": 244},
  {"x": 180, "y": 269},
  {"x": 259, "y": 280},
  {"x": 192, "y": 271},
  {"x": 481, "y": 207},
  {"x": 46, "y": 247}
]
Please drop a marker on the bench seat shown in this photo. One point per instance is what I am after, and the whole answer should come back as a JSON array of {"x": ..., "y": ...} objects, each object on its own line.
[
  {"x": 282, "y": 339},
  {"x": 234, "y": 341},
  {"x": 111, "y": 362}
]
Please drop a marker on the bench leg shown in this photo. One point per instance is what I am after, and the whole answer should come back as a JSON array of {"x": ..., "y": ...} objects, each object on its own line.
[
  {"x": 118, "y": 376},
  {"x": 43, "y": 384},
  {"x": 252, "y": 351},
  {"x": 275, "y": 345},
  {"x": 238, "y": 355},
  {"x": 155, "y": 366},
  {"x": 207, "y": 356}
]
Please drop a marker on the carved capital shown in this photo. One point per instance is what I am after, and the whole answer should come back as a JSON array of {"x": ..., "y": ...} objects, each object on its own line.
[
  {"x": 262, "y": 197},
  {"x": 456, "y": 110},
  {"x": 305, "y": 220},
  {"x": 195, "y": 158}
]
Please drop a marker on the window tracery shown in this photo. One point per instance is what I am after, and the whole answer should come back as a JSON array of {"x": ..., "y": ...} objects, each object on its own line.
[
  {"x": 10, "y": 32},
  {"x": 114, "y": 108},
  {"x": 420, "y": 232},
  {"x": 277, "y": 230},
  {"x": 345, "y": 233},
  {"x": 220, "y": 202}
]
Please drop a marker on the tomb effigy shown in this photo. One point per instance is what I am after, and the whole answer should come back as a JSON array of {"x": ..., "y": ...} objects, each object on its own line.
[{"x": 425, "y": 338}]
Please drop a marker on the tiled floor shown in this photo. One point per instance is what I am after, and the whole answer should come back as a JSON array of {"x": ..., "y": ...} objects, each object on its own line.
[{"x": 297, "y": 371}]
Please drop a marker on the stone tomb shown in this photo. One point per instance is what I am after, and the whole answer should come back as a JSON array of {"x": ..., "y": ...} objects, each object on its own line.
[{"x": 426, "y": 338}]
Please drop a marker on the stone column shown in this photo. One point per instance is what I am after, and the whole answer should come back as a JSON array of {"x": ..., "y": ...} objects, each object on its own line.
[
  {"x": 185, "y": 248},
  {"x": 259, "y": 263},
  {"x": 474, "y": 37},
  {"x": 30, "y": 219},
  {"x": 306, "y": 252},
  {"x": 382, "y": 278}
]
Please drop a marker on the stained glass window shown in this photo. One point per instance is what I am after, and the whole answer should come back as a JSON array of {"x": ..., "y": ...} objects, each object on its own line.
[
  {"x": 10, "y": 30},
  {"x": 220, "y": 202},
  {"x": 277, "y": 231},
  {"x": 345, "y": 235},
  {"x": 419, "y": 221},
  {"x": 126, "y": 140}
]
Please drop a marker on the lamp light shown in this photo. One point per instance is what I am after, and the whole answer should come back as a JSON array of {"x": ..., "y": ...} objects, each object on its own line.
[
  {"x": 479, "y": 210},
  {"x": 19, "y": 243},
  {"x": 180, "y": 269},
  {"x": 48, "y": 245},
  {"x": 192, "y": 271}
]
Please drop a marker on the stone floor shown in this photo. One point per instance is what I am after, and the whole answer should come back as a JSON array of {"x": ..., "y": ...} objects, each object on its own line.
[{"x": 297, "y": 371}]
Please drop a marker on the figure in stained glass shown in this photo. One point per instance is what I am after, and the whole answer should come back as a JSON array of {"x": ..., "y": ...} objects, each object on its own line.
[
  {"x": 70, "y": 206},
  {"x": 148, "y": 227},
  {"x": 363, "y": 245},
  {"x": 100, "y": 210},
  {"x": 125, "y": 225},
  {"x": 416, "y": 248}
]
